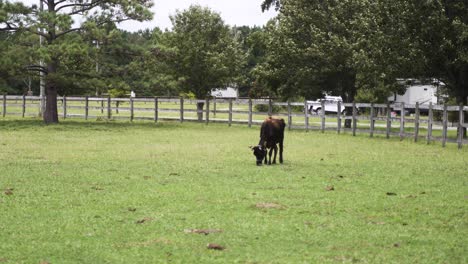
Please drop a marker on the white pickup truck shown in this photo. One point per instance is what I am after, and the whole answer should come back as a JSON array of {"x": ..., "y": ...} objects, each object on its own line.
[{"x": 330, "y": 103}]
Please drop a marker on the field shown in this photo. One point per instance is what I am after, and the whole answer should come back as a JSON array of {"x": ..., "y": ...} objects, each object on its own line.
[{"x": 121, "y": 192}]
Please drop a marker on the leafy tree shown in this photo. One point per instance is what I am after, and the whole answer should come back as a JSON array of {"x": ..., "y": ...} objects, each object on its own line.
[
  {"x": 202, "y": 52},
  {"x": 55, "y": 25},
  {"x": 153, "y": 75},
  {"x": 267, "y": 4},
  {"x": 14, "y": 77},
  {"x": 254, "y": 44},
  {"x": 441, "y": 28},
  {"x": 312, "y": 48},
  {"x": 441, "y": 33}
]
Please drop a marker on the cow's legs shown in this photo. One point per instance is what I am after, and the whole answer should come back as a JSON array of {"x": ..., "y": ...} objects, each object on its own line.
[
  {"x": 266, "y": 156},
  {"x": 281, "y": 151},
  {"x": 269, "y": 156},
  {"x": 275, "y": 148}
]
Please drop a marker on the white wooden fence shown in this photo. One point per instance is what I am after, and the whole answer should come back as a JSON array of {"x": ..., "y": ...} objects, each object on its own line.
[{"x": 372, "y": 118}]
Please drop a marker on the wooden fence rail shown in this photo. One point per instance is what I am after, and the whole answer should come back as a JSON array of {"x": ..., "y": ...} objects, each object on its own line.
[{"x": 371, "y": 118}]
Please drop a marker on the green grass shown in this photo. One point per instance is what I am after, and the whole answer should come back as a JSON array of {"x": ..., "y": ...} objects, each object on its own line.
[{"x": 80, "y": 191}]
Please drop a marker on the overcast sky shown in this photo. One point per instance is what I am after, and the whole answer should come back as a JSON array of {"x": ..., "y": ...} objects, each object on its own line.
[{"x": 233, "y": 12}]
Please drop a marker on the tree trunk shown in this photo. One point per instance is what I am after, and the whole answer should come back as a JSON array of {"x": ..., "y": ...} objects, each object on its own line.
[
  {"x": 200, "y": 111},
  {"x": 51, "y": 113},
  {"x": 461, "y": 89},
  {"x": 349, "y": 83}
]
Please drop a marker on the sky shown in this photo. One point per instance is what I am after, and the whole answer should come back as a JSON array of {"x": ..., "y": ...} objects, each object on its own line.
[{"x": 233, "y": 12}]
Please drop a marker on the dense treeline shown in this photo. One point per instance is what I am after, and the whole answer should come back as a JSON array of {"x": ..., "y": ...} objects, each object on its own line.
[{"x": 356, "y": 49}]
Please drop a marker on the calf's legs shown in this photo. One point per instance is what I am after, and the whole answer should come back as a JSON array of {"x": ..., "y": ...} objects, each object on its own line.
[
  {"x": 275, "y": 149},
  {"x": 281, "y": 151}
]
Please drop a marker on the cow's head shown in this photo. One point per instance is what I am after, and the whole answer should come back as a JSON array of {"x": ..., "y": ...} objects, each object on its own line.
[{"x": 260, "y": 153}]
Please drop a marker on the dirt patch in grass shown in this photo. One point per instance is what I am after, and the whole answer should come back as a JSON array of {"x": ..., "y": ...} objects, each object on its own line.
[
  {"x": 215, "y": 246},
  {"x": 144, "y": 220},
  {"x": 202, "y": 231},
  {"x": 8, "y": 191}
]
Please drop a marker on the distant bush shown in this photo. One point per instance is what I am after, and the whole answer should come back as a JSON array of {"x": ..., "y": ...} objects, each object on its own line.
[{"x": 265, "y": 108}]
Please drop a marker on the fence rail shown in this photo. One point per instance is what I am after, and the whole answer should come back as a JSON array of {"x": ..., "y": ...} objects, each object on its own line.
[{"x": 442, "y": 123}]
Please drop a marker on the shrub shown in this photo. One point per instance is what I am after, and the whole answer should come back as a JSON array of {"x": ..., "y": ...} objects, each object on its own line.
[{"x": 265, "y": 108}]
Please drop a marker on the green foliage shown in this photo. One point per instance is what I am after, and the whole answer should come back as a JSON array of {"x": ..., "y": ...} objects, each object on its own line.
[
  {"x": 441, "y": 28},
  {"x": 63, "y": 52},
  {"x": 188, "y": 95},
  {"x": 311, "y": 49},
  {"x": 353, "y": 48},
  {"x": 117, "y": 93},
  {"x": 265, "y": 108},
  {"x": 202, "y": 52},
  {"x": 267, "y": 4},
  {"x": 254, "y": 44},
  {"x": 348, "y": 48}
]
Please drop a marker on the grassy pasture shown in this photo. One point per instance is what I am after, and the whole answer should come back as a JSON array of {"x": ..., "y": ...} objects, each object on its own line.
[{"x": 120, "y": 192}]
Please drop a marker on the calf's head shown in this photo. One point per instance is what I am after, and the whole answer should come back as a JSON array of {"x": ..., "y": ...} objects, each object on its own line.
[{"x": 260, "y": 153}]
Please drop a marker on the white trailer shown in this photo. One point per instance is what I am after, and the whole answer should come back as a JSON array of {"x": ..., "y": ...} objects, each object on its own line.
[
  {"x": 419, "y": 91},
  {"x": 422, "y": 94}
]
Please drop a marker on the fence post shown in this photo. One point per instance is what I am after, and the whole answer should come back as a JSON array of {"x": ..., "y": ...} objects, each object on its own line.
[
  {"x": 109, "y": 112},
  {"x": 24, "y": 106},
  {"x": 322, "y": 117},
  {"x": 131, "y": 109},
  {"x": 416, "y": 122},
  {"x": 306, "y": 116},
  {"x": 444, "y": 125},
  {"x": 181, "y": 109},
  {"x": 429, "y": 123},
  {"x": 372, "y": 123},
  {"x": 389, "y": 120},
  {"x": 214, "y": 106},
  {"x": 270, "y": 107},
  {"x": 39, "y": 107},
  {"x": 250, "y": 112},
  {"x": 338, "y": 118},
  {"x": 402, "y": 121},
  {"x": 461, "y": 122},
  {"x": 230, "y": 111},
  {"x": 155, "y": 109},
  {"x": 207, "y": 115},
  {"x": 4, "y": 105},
  {"x": 102, "y": 105},
  {"x": 64, "y": 107},
  {"x": 354, "y": 118},
  {"x": 289, "y": 115},
  {"x": 86, "y": 107}
]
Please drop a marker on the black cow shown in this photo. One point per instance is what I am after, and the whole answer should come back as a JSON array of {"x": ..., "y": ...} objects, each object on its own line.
[{"x": 271, "y": 133}]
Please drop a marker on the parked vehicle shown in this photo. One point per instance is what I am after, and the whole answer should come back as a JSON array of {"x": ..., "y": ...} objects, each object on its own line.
[
  {"x": 418, "y": 92},
  {"x": 330, "y": 103}
]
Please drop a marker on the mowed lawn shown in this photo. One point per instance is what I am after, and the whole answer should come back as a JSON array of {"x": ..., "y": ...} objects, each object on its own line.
[{"x": 120, "y": 192}]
